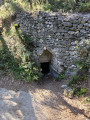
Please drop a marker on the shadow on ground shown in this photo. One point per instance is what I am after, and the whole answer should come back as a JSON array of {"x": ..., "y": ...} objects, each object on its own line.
[{"x": 16, "y": 106}]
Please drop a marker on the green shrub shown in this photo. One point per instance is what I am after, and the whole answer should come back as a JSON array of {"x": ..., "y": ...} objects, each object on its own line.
[
  {"x": 29, "y": 71},
  {"x": 61, "y": 76},
  {"x": 77, "y": 78},
  {"x": 74, "y": 80},
  {"x": 66, "y": 5},
  {"x": 81, "y": 64},
  {"x": 25, "y": 68},
  {"x": 13, "y": 6},
  {"x": 88, "y": 99},
  {"x": 80, "y": 91},
  {"x": 84, "y": 7}
]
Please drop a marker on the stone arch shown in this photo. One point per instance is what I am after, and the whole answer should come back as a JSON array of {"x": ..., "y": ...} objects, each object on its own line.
[{"x": 45, "y": 56}]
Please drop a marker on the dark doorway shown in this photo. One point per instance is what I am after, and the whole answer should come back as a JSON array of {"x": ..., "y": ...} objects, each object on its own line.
[{"x": 45, "y": 67}]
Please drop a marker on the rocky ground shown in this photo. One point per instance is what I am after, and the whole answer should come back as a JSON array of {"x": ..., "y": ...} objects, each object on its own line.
[{"x": 30, "y": 101}]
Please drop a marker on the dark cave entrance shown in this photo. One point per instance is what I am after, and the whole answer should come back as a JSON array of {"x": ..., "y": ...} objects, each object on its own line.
[
  {"x": 45, "y": 61},
  {"x": 45, "y": 66}
]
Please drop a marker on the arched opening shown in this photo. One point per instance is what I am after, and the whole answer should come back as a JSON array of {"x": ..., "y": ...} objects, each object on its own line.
[
  {"x": 45, "y": 67},
  {"x": 45, "y": 61}
]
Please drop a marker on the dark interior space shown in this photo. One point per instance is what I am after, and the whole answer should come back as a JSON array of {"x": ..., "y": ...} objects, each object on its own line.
[{"x": 45, "y": 67}]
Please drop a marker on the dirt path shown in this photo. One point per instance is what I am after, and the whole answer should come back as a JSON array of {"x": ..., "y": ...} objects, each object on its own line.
[{"x": 24, "y": 101}]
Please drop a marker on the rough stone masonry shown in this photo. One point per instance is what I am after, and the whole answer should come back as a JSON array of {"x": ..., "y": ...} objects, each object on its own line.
[{"x": 56, "y": 37}]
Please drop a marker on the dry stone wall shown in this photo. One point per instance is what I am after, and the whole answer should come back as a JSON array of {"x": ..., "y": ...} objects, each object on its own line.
[{"x": 59, "y": 33}]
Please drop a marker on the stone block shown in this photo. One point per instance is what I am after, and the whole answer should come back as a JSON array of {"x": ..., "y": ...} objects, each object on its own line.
[{"x": 68, "y": 24}]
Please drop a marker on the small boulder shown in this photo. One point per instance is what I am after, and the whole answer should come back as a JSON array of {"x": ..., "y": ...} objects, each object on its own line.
[{"x": 68, "y": 92}]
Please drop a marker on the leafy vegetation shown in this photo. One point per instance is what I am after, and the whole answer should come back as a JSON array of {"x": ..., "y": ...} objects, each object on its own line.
[
  {"x": 15, "y": 57},
  {"x": 15, "y": 46},
  {"x": 64, "y": 5},
  {"x": 83, "y": 64},
  {"x": 84, "y": 7},
  {"x": 45, "y": 5},
  {"x": 86, "y": 100},
  {"x": 80, "y": 91},
  {"x": 77, "y": 78},
  {"x": 61, "y": 76}
]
